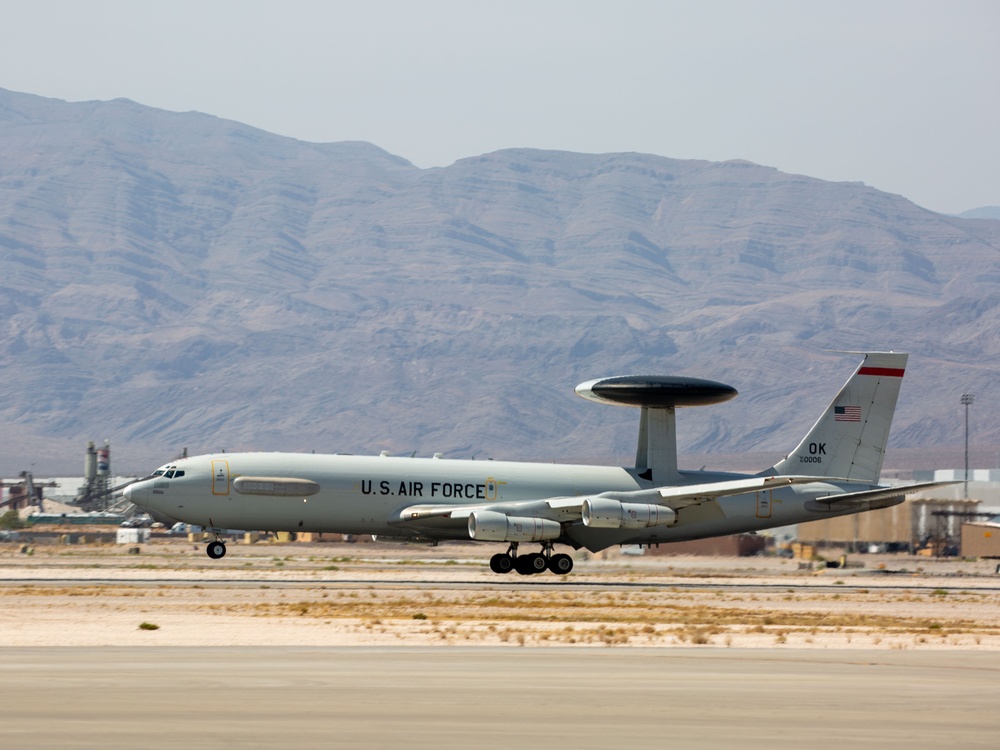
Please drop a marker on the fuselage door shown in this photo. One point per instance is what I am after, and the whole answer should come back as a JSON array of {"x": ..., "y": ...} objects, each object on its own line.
[
  {"x": 764, "y": 500},
  {"x": 220, "y": 477}
]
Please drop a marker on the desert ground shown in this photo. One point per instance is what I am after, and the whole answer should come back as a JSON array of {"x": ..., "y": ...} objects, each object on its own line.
[{"x": 171, "y": 594}]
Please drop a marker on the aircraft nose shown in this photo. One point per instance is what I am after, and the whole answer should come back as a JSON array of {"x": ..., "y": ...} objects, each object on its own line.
[{"x": 137, "y": 493}]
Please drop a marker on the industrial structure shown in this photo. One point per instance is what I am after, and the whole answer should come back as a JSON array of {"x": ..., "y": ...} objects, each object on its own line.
[
  {"x": 95, "y": 493},
  {"x": 24, "y": 494}
]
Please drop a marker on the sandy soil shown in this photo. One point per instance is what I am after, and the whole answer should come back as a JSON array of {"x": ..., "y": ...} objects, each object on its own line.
[{"x": 171, "y": 594}]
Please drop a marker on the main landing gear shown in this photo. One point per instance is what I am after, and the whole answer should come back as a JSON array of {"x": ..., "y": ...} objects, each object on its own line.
[{"x": 537, "y": 562}]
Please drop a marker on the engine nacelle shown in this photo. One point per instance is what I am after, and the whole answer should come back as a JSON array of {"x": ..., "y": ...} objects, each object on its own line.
[
  {"x": 605, "y": 513},
  {"x": 488, "y": 525}
]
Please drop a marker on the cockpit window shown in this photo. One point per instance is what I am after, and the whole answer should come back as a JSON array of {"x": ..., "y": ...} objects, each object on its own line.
[
  {"x": 158, "y": 472},
  {"x": 169, "y": 474},
  {"x": 178, "y": 474}
]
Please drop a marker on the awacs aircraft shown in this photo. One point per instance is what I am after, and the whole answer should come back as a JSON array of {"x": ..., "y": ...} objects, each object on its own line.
[{"x": 834, "y": 471}]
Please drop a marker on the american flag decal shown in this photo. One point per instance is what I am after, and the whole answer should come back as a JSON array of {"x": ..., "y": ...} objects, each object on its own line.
[{"x": 847, "y": 414}]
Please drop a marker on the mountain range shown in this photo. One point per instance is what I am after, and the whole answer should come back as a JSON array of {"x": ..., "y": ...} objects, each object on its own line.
[{"x": 172, "y": 280}]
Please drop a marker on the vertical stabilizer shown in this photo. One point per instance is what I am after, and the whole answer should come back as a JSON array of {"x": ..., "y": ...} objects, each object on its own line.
[{"x": 849, "y": 439}]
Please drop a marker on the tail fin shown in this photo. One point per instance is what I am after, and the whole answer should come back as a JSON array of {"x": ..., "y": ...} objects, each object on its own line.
[{"x": 849, "y": 438}]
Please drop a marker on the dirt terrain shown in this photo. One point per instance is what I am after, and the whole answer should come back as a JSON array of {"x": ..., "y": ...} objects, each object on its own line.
[{"x": 171, "y": 594}]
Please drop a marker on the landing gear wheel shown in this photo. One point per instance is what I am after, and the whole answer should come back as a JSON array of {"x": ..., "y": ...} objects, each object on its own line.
[
  {"x": 560, "y": 564},
  {"x": 521, "y": 565},
  {"x": 538, "y": 563},
  {"x": 529, "y": 564},
  {"x": 501, "y": 563},
  {"x": 216, "y": 550}
]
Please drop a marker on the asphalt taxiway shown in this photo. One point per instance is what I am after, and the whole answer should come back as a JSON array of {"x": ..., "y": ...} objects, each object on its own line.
[{"x": 384, "y": 697}]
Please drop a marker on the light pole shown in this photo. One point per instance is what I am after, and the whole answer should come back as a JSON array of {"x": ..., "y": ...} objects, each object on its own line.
[{"x": 967, "y": 399}]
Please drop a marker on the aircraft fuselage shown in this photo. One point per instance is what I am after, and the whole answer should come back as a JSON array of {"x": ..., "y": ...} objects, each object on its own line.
[
  {"x": 833, "y": 471},
  {"x": 365, "y": 494}
]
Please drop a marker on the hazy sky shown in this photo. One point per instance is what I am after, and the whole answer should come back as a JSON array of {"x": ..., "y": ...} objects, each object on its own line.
[{"x": 902, "y": 95}]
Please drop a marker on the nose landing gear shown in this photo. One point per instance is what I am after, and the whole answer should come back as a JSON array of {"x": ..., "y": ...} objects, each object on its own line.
[
  {"x": 217, "y": 549},
  {"x": 505, "y": 562}
]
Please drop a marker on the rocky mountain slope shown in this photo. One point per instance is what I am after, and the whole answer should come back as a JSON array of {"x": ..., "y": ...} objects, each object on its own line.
[{"x": 171, "y": 280}]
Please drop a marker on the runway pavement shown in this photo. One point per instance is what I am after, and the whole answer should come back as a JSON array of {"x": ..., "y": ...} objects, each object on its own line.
[{"x": 496, "y": 698}]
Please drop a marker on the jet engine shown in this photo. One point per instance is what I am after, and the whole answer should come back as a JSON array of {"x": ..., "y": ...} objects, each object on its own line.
[
  {"x": 491, "y": 526},
  {"x": 605, "y": 513}
]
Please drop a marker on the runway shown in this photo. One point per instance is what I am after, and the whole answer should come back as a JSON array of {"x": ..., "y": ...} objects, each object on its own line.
[
  {"x": 375, "y": 697},
  {"x": 214, "y": 579}
]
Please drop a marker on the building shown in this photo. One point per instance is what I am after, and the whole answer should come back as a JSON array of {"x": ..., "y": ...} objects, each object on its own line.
[
  {"x": 981, "y": 540},
  {"x": 913, "y": 524}
]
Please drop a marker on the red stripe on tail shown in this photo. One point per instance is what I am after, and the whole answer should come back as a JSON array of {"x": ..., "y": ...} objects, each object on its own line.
[{"x": 886, "y": 372}]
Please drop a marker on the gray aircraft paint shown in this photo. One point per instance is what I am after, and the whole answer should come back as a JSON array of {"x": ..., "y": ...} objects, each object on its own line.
[{"x": 432, "y": 499}]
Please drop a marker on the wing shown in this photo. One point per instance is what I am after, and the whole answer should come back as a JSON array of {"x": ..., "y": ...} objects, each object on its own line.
[
  {"x": 683, "y": 497},
  {"x": 438, "y": 519},
  {"x": 843, "y": 500}
]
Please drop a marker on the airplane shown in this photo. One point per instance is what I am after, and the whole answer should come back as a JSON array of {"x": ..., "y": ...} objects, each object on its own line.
[{"x": 833, "y": 471}]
